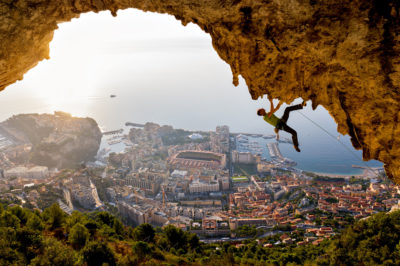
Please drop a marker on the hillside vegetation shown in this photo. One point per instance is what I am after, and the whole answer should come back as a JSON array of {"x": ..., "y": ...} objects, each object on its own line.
[{"x": 52, "y": 237}]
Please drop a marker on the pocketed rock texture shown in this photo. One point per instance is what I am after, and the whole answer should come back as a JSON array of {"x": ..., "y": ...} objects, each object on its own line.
[
  {"x": 57, "y": 140},
  {"x": 341, "y": 54}
]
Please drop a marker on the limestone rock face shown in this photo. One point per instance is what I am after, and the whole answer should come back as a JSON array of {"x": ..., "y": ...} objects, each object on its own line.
[
  {"x": 58, "y": 141},
  {"x": 341, "y": 54}
]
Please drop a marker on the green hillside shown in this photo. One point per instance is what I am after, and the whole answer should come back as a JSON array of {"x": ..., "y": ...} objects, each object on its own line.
[{"x": 55, "y": 238}]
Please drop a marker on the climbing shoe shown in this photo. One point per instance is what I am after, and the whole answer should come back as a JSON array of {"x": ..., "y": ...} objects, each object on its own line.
[{"x": 296, "y": 148}]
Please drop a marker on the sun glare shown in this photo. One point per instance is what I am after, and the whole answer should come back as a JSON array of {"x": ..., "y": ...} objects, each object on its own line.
[{"x": 93, "y": 55}]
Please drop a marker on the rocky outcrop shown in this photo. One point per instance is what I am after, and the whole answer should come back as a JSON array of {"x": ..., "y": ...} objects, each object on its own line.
[
  {"x": 341, "y": 54},
  {"x": 58, "y": 140}
]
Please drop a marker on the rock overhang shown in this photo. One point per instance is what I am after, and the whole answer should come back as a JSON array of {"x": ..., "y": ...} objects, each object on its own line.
[{"x": 343, "y": 55}]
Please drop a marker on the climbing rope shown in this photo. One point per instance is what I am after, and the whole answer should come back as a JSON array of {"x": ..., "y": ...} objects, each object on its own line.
[{"x": 347, "y": 148}]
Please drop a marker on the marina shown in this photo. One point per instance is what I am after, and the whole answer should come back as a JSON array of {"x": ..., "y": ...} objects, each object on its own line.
[
  {"x": 244, "y": 145},
  {"x": 130, "y": 124},
  {"x": 277, "y": 156},
  {"x": 113, "y": 132},
  {"x": 113, "y": 142},
  {"x": 274, "y": 151}
]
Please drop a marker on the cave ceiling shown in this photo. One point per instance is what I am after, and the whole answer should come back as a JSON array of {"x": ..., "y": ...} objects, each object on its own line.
[{"x": 343, "y": 55}]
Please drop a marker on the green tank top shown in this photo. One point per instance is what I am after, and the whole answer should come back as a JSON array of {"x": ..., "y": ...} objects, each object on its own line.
[{"x": 273, "y": 120}]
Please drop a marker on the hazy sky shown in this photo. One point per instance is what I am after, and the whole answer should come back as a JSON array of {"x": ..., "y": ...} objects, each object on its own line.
[{"x": 147, "y": 59}]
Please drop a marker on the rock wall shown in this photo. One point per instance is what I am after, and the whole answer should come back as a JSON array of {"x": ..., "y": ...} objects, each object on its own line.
[{"x": 341, "y": 54}]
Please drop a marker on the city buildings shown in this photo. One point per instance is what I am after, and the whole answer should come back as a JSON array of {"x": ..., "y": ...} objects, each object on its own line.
[
  {"x": 190, "y": 184},
  {"x": 35, "y": 172},
  {"x": 201, "y": 187},
  {"x": 220, "y": 140},
  {"x": 243, "y": 157}
]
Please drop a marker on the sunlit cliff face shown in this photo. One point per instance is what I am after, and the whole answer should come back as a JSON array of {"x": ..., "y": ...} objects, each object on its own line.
[{"x": 343, "y": 55}]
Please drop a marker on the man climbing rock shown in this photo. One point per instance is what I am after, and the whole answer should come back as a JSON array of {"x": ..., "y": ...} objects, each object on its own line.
[{"x": 280, "y": 123}]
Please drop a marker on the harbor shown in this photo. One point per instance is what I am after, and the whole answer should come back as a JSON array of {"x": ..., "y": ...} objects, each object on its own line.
[
  {"x": 243, "y": 144},
  {"x": 277, "y": 156},
  {"x": 263, "y": 145},
  {"x": 130, "y": 124},
  {"x": 113, "y": 132},
  {"x": 112, "y": 141},
  {"x": 274, "y": 151}
]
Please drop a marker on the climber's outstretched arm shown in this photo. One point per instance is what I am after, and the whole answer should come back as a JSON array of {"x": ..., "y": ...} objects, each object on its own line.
[{"x": 273, "y": 109}]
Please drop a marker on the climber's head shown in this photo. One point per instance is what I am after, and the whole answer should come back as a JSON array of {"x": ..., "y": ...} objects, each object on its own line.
[{"x": 261, "y": 112}]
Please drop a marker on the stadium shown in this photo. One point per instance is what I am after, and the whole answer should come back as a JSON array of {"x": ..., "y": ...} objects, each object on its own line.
[{"x": 198, "y": 159}]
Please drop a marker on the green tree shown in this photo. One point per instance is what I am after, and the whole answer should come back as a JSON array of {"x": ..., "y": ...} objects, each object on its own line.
[
  {"x": 193, "y": 241},
  {"x": 29, "y": 242},
  {"x": 74, "y": 218},
  {"x": 55, "y": 253},
  {"x": 8, "y": 252},
  {"x": 78, "y": 235},
  {"x": 175, "y": 236},
  {"x": 229, "y": 255},
  {"x": 144, "y": 232},
  {"x": 246, "y": 230},
  {"x": 97, "y": 253},
  {"x": 368, "y": 242},
  {"x": 21, "y": 213},
  {"x": 92, "y": 226},
  {"x": 56, "y": 216},
  {"x": 141, "y": 249},
  {"x": 105, "y": 218},
  {"x": 118, "y": 227},
  {"x": 7, "y": 219},
  {"x": 35, "y": 223}
]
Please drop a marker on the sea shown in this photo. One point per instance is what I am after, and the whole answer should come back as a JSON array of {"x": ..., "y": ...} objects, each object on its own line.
[
  {"x": 162, "y": 72},
  {"x": 320, "y": 152},
  {"x": 337, "y": 159}
]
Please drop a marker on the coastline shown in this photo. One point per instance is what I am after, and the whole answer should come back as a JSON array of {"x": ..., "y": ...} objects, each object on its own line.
[
  {"x": 362, "y": 173},
  {"x": 338, "y": 175},
  {"x": 366, "y": 173}
]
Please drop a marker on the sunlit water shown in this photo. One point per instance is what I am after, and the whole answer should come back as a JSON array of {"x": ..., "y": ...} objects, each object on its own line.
[{"x": 164, "y": 73}]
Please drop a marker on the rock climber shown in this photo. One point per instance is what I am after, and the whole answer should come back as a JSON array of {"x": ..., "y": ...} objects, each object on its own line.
[{"x": 280, "y": 123}]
